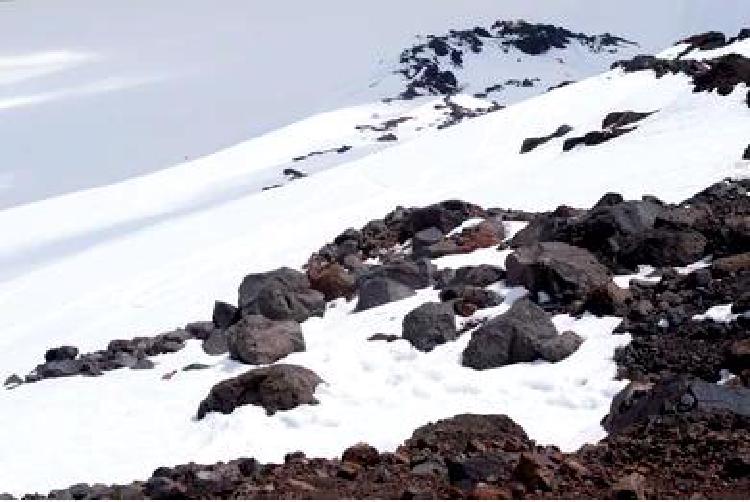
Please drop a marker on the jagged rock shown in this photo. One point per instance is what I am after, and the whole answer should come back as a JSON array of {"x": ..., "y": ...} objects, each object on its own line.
[
  {"x": 596, "y": 137},
  {"x": 279, "y": 387},
  {"x": 282, "y": 294},
  {"x": 225, "y": 315},
  {"x": 524, "y": 333},
  {"x": 430, "y": 325},
  {"x": 530, "y": 144},
  {"x": 620, "y": 119},
  {"x": 64, "y": 353},
  {"x": 415, "y": 274},
  {"x": 746, "y": 154},
  {"x": 637, "y": 402},
  {"x": 257, "y": 340},
  {"x": 376, "y": 291},
  {"x": 565, "y": 273}
]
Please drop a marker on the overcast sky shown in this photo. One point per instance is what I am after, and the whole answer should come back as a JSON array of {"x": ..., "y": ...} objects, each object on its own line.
[{"x": 145, "y": 84}]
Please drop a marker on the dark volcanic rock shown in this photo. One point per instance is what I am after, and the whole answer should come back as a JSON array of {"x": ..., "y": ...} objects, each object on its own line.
[
  {"x": 530, "y": 144},
  {"x": 596, "y": 137},
  {"x": 378, "y": 291},
  {"x": 477, "y": 275},
  {"x": 216, "y": 344},
  {"x": 279, "y": 387},
  {"x": 64, "y": 353},
  {"x": 257, "y": 340},
  {"x": 225, "y": 315},
  {"x": 280, "y": 295},
  {"x": 620, "y": 119},
  {"x": 638, "y": 402},
  {"x": 430, "y": 325},
  {"x": 566, "y": 273},
  {"x": 664, "y": 247},
  {"x": 523, "y": 334}
]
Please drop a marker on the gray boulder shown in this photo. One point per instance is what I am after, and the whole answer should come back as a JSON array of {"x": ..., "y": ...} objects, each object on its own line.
[
  {"x": 282, "y": 294},
  {"x": 279, "y": 387},
  {"x": 257, "y": 340},
  {"x": 376, "y": 291},
  {"x": 430, "y": 325},
  {"x": 416, "y": 274},
  {"x": 216, "y": 344},
  {"x": 423, "y": 239},
  {"x": 524, "y": 333},
  {"x": 639, "y": 401},
  {"x": 566, "y": 273}
]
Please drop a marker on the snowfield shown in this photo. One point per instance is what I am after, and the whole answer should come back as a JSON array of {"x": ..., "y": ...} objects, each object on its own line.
[{"x": 153, "y": 252}]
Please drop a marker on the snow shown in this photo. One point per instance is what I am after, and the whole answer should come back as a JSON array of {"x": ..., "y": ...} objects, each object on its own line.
[
  {"x": 645, "y": 274},
  {"x": 144, "y": 421},
  {"x": 718, "y": 313}
]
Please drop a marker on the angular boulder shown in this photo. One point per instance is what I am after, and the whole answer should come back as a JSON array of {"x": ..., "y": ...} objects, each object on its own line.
[
  {"x": 282, "y": 294},
  {"x": 664, "y": 247},
  {"x": 558, "y": 269},
  {"x": 524, "y": 333},
  {"x": 225, "y": 315},
  {"x": 638, "y": 401},
  {"x": 415, "y": 274},
  {"x": 430, "y": 325},
  {"x": 257, "y": 340},
  {"x": 279, "y": 387},
  {"x": 376, "y": 291}
]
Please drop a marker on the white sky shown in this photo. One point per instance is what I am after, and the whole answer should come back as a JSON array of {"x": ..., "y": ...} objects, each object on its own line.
[{"x": 145, "y": 84}]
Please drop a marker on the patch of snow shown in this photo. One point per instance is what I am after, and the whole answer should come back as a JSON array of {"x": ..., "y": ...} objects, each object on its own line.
[
  {"x": 644, "y": 274},
  {"x": 718, "y": 313},
  {"x": 376, "y": 392},
  {"x": 689, "y": 269}
]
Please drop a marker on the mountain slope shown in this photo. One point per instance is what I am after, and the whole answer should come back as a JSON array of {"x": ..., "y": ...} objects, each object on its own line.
[{"x": 119, "y": 273}]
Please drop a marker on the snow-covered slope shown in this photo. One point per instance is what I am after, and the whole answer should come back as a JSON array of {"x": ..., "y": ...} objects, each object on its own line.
[
  {"x": 96, "y": 92},
  {"x": 153, "y": 253}
]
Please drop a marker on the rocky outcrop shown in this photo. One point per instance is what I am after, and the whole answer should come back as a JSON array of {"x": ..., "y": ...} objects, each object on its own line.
[
  {"x": 257, "y": 340},
  {"x": 524, "y": 333},
  {"x": 594, "y": 138},
  {"x": 275, "y": 388},
  {"x": 621, "y": 119},
  {"x": 530, "y": 144}
]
